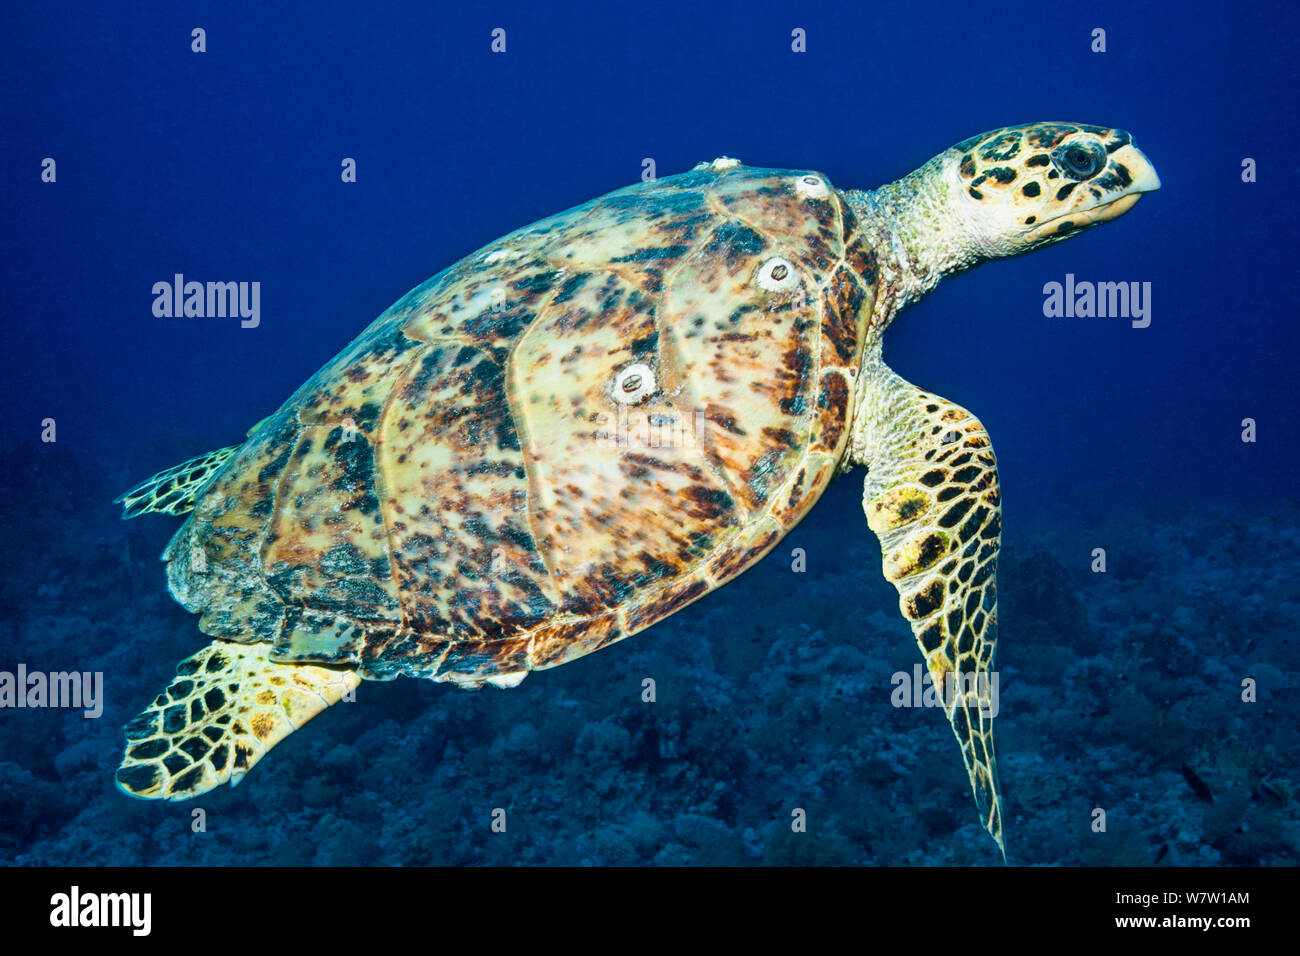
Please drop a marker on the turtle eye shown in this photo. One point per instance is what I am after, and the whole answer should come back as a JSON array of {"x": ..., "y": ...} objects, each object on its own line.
[{"x": 1079, "y": 161}]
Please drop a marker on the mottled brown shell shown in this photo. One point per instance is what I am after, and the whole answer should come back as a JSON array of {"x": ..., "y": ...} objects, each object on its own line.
[{"x": 561, "y": 439}]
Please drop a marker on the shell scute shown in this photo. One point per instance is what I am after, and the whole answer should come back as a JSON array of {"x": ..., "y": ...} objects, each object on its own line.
[
  {"x": 455, "y": 501},
  {"x": 326, "y": 536}
]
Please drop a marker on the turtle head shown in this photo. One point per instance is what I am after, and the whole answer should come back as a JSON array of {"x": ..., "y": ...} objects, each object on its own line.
[
  {"x": 997, "y": 194},
  {"x": 1022, "y": 187}
]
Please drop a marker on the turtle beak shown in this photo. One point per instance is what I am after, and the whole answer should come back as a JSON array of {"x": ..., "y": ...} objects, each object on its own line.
[
  {"x": 1139, "y": 167},
  {"x": 1129, "y": 174}
]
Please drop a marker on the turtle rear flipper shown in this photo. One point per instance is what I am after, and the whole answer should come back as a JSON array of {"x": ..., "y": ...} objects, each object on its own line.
[
  {"x": 173, "y": 490},
  {"x": 933, "y": 499},
  {"x": 227, "y": 706}
]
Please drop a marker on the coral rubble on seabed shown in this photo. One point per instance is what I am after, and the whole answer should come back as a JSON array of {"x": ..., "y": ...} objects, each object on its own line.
[{"x": 1119, "y": 691}]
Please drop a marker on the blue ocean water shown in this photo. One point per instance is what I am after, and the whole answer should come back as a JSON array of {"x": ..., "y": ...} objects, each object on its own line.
[{"x": 1120, "y": 691}]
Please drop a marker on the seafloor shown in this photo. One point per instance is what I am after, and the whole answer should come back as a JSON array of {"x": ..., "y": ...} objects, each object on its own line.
[{"x": 1119, "y": 691}]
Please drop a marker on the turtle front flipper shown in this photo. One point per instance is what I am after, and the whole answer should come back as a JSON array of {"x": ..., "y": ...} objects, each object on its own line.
[
  {"x": 932, "y": 498},
  {"x": 173, "y": 490},
  {"x": 227, "y": 706}
]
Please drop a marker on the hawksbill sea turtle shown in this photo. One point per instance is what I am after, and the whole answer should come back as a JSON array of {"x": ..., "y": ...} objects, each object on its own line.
[{"x": 471, "y": 490}]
